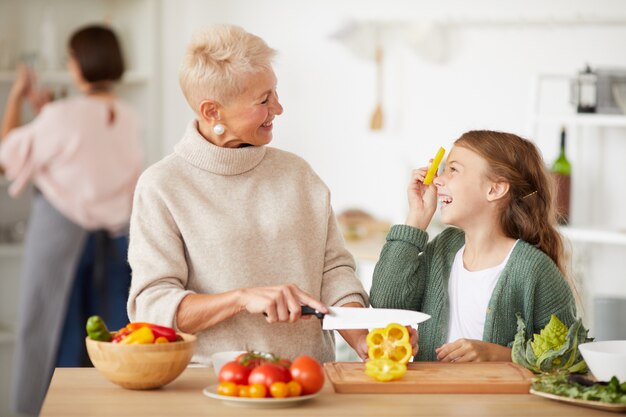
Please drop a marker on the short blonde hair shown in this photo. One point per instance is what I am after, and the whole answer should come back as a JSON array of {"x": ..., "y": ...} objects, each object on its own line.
[{"x": 217, "y": 61}]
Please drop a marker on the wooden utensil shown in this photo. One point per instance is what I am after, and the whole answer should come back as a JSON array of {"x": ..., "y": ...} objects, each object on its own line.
[
  {"x": 376, "y": 123},
  {"x": 434, "y": 378}
]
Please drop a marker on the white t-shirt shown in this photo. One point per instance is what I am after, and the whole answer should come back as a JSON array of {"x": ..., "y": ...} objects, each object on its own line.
[{"x": 470, "y": 292}]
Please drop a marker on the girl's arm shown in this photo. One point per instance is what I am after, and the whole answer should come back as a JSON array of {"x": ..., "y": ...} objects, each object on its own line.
[{"x": 400, "y": 273}]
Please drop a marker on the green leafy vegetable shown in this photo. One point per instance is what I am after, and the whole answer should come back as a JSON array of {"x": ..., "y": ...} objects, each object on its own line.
[
  {"x": 551, "y": 337},
  {"x": 555, "y": 348},
  {"x": 577, "y": 387}
]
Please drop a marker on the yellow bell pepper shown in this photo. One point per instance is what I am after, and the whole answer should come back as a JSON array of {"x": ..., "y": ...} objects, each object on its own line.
[
  {"x": 384, "y": 369},
  {"x": 142, "y": 335},
  {"x": 434, "y": 166},
  {"x": 392, "y": 343}
]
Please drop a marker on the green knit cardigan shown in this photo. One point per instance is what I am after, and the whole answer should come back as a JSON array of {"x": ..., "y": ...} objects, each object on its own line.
[{"x": 413, "y": 274}]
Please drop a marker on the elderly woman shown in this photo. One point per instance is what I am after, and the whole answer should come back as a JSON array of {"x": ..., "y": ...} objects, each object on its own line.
[{"x": 230, "y": 237}]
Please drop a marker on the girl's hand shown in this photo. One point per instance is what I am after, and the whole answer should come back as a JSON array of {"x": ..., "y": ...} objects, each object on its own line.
[
  {"x": 357, "y": 341},
  {"x": 469, "y": 350},
  {"x": 422, "y": 200},
  {"x": 281, "y": 303}
]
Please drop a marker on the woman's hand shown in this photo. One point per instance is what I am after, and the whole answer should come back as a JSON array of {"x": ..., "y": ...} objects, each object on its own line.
[
  {"x": 281, "y": 303},
  {"x": 469, "y": 350},
  {"x": 24, "y": 87},
  {"x": 422, "y": 200},
  {"x": 23, "y": 82}
]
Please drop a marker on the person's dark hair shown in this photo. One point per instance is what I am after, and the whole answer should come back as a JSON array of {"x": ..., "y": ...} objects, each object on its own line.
[{"x": 98, "y": 53}]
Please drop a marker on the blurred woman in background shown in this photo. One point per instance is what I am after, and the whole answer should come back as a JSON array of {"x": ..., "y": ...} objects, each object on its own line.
[{"x": 83, "y": 156}]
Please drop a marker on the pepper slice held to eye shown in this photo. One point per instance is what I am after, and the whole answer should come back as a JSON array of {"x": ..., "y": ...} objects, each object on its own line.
[{"x": 391, "y": 343}]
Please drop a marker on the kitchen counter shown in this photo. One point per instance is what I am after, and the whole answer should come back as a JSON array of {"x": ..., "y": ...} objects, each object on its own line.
[{"x": 84, "y": 392}]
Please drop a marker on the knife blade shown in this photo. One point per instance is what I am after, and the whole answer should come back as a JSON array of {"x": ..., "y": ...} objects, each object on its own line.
[{"x": 365, "y": 318}]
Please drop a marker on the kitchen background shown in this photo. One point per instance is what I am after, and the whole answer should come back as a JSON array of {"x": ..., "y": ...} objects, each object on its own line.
[{"x": 447, "y": 67}]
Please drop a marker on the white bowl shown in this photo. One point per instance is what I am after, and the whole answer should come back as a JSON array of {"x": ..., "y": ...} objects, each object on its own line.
[
  {"x": 605, "y": 359},
  {"x": 218, "y": 359}
]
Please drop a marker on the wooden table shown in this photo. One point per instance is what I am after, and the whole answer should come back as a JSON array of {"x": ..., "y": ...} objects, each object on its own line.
[{"x": 84, "y": 392}]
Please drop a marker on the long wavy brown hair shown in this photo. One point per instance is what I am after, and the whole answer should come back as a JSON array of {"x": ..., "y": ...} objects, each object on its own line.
[{"x": 529, "y": 212}]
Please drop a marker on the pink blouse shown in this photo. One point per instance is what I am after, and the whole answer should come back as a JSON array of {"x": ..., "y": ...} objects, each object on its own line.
[{"x": 85, "y": 166}]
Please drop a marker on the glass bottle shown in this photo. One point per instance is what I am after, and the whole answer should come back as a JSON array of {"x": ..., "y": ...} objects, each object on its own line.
[
  {"x": 587, "y": 91},
  {"x": 562, "y": 171}
]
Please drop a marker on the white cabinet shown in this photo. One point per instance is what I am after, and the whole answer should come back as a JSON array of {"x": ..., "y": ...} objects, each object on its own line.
[
  {"x": 597, "y": 231},
  {"x": 38, "y": 31}
]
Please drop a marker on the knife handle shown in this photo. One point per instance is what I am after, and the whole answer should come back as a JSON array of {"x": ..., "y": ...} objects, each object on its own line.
[{"x": 309, "y": 311}]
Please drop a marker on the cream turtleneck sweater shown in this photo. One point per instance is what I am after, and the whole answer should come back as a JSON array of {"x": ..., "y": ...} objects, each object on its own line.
[{"x": 208, "y": 220}]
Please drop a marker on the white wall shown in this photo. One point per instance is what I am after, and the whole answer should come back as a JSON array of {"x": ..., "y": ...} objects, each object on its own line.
[{"x": 328, "y": 92}]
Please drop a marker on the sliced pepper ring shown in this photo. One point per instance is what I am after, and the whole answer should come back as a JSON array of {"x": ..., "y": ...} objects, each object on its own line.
[
  {"x": 392, "y": 343},
  {"x": 384, "y": 369}
]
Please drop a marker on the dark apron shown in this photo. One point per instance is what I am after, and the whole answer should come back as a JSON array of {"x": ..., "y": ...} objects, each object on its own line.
[{"x": 52, "y": 248}]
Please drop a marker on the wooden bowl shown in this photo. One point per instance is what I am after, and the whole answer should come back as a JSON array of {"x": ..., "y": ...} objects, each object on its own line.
[{"x": 141, "y": 366}]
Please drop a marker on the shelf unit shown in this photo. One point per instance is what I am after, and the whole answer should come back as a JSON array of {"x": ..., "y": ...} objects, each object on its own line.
[
  {"x": 10, "y": 249},
  {"x": 592, "y": 235},
  {"x": 597, "y": 230},
  {"x": 580, "y": 120},
  {"x": 63, "y": 77}
]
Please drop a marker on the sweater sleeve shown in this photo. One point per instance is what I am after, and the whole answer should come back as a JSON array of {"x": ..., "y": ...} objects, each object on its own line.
[
  {"x": 400, "y": 273},
  {"x": 157, "y": 258},
  {"x": 339, "y": 282}
]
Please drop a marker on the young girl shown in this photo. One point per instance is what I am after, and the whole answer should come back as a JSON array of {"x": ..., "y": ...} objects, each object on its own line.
[{"x": 504, "y": 256}]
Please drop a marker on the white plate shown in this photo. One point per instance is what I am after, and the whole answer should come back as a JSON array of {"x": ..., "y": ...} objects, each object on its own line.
[{"x": 211, "y": 392}]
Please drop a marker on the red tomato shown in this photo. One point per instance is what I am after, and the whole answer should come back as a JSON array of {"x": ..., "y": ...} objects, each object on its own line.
[
  {"x": 268, "y": 374},
  {"x": 309, "y": 373},
  {"x": 284, "y": 362},
  {"x": 253, "y": 359},
  {"x": 234, "y": 372}
]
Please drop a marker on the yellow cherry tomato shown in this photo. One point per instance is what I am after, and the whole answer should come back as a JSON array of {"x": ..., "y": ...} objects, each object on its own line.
[
  {"x": 243, "y": 390},
  {"x": 392, "y": 343},
  {"x": 384, "y": 369},
  {"x": 295, "y": 389},
  {"x": 258, "y": 391},
  {"x": 279, "y": 390},
  {"x": 161, "y": 339},
  {"x": 227, "y": 388}
]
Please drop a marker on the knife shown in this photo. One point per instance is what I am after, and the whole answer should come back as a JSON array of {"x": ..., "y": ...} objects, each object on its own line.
[{"x": 364, "y": 318}]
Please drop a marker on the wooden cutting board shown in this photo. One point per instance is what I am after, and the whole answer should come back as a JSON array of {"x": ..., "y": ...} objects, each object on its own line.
[{"x": 434, "y": 378}]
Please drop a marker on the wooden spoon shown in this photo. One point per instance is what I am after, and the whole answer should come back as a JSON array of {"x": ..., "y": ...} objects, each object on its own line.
[{"x": 376, "y": 123}]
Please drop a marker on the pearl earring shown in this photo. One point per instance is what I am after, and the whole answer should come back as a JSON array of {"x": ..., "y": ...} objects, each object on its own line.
[{"x": 218, "y": 129}]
